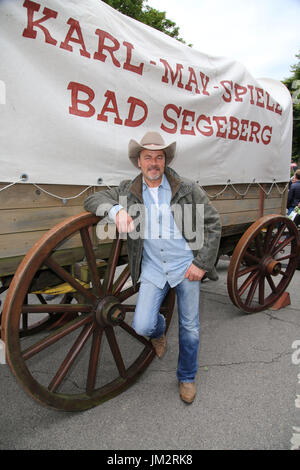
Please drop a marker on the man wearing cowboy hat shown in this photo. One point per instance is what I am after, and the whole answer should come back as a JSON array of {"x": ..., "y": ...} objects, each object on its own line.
[{"x": 168, "y": 259}]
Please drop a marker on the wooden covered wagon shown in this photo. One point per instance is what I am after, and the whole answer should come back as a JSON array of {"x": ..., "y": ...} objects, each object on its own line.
[{"x": 69, "y": 300}]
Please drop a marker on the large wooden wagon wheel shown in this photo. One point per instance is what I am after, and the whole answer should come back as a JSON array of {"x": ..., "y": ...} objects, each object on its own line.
[
  {"x": 263, "y": 263},
  {"x": 95, "y": 354}
]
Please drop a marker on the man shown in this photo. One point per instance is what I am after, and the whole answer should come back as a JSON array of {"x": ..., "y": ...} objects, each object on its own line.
[
  {"x": 170, "y": 258},
  {"x": 294, "y": 192}
]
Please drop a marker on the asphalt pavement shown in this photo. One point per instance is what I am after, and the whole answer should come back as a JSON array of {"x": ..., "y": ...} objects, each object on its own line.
[{"x": 248, "y": 391}]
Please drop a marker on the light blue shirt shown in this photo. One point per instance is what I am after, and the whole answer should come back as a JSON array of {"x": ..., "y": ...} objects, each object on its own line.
[{"x": 166, "y": 254}]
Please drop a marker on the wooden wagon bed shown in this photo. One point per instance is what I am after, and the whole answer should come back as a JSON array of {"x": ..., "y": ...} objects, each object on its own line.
[{"x": 28, "y": 212}]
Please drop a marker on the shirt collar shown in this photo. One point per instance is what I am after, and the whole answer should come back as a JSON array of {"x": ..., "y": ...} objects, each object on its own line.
[{"x": 164, "y": 183}]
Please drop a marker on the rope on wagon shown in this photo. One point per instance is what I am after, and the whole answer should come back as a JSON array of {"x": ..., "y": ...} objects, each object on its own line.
[
  {"x": 214, "y": 195},
  {"x": 243, "y": 194},
  {"x": 63, "y": 199},
  {"x": 273, "y": 184},
  {"x": 12, "y": 184},
  {"x": 239, "y": 193},
  {"x": 211, "y": 196}
]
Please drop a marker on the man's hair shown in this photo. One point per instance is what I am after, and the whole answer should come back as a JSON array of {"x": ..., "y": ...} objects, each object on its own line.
[{"x": 297, "y": 174}]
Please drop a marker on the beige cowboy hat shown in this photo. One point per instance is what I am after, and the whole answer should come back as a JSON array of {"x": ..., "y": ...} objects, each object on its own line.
[{"x": 151, "y": 141}]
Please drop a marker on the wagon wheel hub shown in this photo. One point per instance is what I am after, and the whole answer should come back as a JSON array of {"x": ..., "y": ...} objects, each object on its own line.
[
  {"x": 271, "y": 266},
  {"x": 109, "y": 311}
]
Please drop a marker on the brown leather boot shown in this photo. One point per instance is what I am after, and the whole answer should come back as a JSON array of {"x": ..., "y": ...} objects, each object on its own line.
[
  {"x": 187, "y": 391},
  {"x": 159, "y": 345}
]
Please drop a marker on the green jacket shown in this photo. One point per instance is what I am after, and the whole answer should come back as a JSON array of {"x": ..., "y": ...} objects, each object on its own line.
[{"x": 184, "y": 192}]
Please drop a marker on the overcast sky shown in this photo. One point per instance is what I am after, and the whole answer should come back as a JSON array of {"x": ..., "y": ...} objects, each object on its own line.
[{"x": 264, "y": 35}]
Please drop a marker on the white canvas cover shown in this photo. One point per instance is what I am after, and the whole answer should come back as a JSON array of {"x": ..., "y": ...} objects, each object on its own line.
[{"x": 78, "y": 80}]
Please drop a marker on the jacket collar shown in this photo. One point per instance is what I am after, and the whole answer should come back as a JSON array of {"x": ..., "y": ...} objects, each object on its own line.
[{"x": 176, "y": 183}]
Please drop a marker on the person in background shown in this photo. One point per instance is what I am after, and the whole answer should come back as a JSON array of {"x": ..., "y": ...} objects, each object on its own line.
[{"x": 294, "y": 192}]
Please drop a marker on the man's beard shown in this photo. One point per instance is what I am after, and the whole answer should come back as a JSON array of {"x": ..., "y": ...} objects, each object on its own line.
[{"x": 154, "y": 178}]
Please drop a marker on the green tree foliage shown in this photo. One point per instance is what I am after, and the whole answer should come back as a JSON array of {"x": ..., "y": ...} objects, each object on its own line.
[
  {"x": 157, "y": 19},
  {"x": 138, "y": 10},
  {"x": 293, "y": 84},
  {"x": 132, "y": 8}
]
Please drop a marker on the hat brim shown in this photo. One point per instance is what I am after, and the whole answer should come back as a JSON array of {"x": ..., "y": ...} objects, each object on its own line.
[{"x": 134, "y": 150}]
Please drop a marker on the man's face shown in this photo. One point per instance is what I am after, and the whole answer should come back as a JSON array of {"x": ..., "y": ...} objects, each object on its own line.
[{"x": 152, "y": 164}]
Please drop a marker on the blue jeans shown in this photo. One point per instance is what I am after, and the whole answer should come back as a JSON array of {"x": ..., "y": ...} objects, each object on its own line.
[{"x": 149, "y": 322}]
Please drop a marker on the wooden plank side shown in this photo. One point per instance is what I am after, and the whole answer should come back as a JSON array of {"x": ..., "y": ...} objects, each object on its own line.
[
  {"x": 63, "y": 256},
  {"x": 238, "y": 218},
  {"x": 245, "y": 217},
  {"x": 31, "y": 220},
  {"x": 241, "y": 205},
  {"x": 18, "y": 244},
  {"x": 27, "y": 213}
]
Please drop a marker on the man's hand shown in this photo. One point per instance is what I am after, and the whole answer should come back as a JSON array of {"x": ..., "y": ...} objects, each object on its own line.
[
  {"x": 124, "y": 222},
  {"x": 194, "y": 274}
]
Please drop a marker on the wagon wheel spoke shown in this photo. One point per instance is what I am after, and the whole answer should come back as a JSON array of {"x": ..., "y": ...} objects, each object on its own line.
[
  {"x": 259, "y": 245},
  {"x": 283, "y": 274},
  {"x": 129, "y": 308},
  {"x": 37, "y": 324},
  {"x": 132, "y": 332},
  {"x": 268, "y": 238},
  {"x": 282, "y": 245},
  {"x": 248, "y": 282},
  {"x": 125, "y": 294},
  {"x": 70, "y": 358},
  {"x": 271, "y": 283},
  {"x": 90, "y": 256},
  {"x": 56, "y": 308},
  {"x": 290, "y": 256},
  {"x": 52, "y": 338},
  {"x": 113, "y": 344},
  {"x": 119, "y": 283},
  {"x": 250, "y": 258},
  {"x": 252, "y": 290},
  {"x": 41, "y": 299},
  {"x": 67, "y": 277},
  {"x": 112, "y": 264},
  {"x": 25, "y": 316},
  {"x": 59, "y": 319},
  {"x": 277, "y": 237},
  {"x": 261, "y": 295},
  {"x": 260, "y": 283},
  {"x": 247, "y": 270},
  {"x": 94, "y": 358}
]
